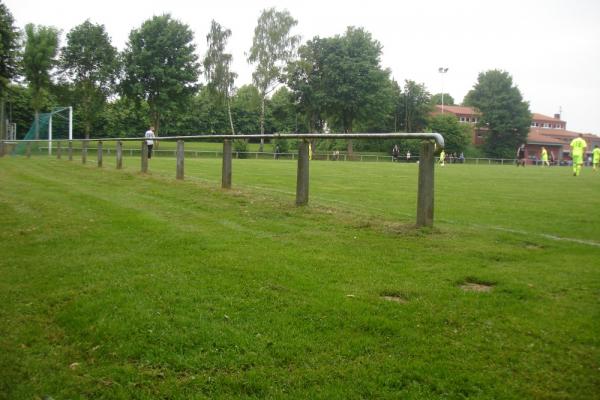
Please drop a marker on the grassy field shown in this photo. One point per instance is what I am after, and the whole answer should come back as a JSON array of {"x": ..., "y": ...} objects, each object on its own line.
[{"x": 115, "y": 284}]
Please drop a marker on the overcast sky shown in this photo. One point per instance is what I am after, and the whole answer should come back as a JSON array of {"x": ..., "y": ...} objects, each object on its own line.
[{"x": 551, "y": 48}]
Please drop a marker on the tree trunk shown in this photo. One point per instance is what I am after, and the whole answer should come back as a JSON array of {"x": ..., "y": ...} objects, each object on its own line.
[
  {"x": 156, "y": 124},
  {"x": 262, "y": 123},
  {"x": 230, "y": 117}
]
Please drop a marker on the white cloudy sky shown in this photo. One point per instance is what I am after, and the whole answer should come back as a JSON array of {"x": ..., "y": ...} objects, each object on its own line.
[{"x": 550, "y": 47}]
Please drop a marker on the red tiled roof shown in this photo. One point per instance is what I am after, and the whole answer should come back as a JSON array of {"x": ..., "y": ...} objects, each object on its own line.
[
  {"x": 458, "y": 110},
  {"x": 555, "y": 136},
  {"x": 541, "y": 117}
]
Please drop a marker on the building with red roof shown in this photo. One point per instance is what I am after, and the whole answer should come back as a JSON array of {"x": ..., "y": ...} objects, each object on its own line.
[{"x": 545, "y": 131}]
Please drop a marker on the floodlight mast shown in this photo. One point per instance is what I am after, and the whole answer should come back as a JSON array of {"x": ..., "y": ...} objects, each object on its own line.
[
  {"x": 70, "y": 122},
  {"x": 442, "y": 70}
]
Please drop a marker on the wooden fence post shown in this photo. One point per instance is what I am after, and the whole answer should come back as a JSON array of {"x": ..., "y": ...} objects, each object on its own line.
[
  {"x": 99, "y": 153},
  {"x": 303, "y": 174},
  {"x": 70, "y": 150},
  {"x": 180, "y": 159},
  {"x": 144, "y": 156},
  {"x": 84, "y": 145},
  {"x": 425, "y": 195},
  {"x": 226, "y": 167},
  {"x": 119, "y": 154}
]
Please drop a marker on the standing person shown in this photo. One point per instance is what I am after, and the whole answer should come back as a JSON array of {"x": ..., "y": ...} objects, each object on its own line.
[
  {"x": 150, "y": 135},
  {"x": 578, "y": 146},
  {"x": 596, "y": 157},
  {"x": 545, "y": 157},
  {"x": 521, "y": 155},
  {"x": 408, "y": 156},
  {"x": 551, "y": 158},
  {"x": 395, "y": 153},
  {"x": 442, "y": 157},
  {"x": 277, "y": 150}
]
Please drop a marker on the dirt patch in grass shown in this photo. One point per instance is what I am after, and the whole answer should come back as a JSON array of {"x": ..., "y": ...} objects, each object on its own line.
[
  {"x": 396, "y": 299},
  {"x": 476, "y": 287}
]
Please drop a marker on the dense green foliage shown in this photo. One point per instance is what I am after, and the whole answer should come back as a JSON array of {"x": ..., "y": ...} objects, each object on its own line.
[
  {"x": 89, "y": 61},
  {"x": 160, "y": 67},
  {"x": 333, "y": 84},
  {"x": 457, "y": 136},
  {"x": 503, "y": 112},
  {"x": 39, "y": 57},
  {"x": 217, "y": 67},
  {"x": 437, "y": 99},
  {"x": 273, "y": 46},
  {"x": 118, "y": 285}
]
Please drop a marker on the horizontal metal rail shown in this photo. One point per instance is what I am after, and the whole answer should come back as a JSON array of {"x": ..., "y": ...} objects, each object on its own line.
[{"x": 420, "y": 136}]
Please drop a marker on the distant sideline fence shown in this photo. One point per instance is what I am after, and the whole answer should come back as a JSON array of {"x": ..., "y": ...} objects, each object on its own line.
[{"x": 430, "y": 143}]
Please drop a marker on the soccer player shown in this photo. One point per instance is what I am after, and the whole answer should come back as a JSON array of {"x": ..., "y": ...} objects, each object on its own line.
[
  {"x": 442, "y": 157},
  {"x": 578, "y": 146},
  {"x": 596, "y": 157},
  {"x": 545, "y": 157}
]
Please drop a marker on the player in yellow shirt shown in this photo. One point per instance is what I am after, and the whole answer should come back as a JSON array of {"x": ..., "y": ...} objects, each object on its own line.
[
  {"x": 578, "y": 146},
  {"x": 545, "y": 157},
  {"x": 442, "y": 157},
  {"x": 596, "y": 157}
]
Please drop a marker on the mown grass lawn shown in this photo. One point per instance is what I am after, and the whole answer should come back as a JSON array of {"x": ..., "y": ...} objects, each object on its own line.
[{"x": 115, "y": 284}]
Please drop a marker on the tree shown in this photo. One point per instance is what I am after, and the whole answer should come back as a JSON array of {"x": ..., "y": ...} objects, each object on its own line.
[
  {"x": 415, "y": 106},
  {"x": 437, "y": 99},
  {"x": 503, "y": 112},
  {"x": 272, "y": 48},
  {"x": 160, "y": 66},
  {"x": 217, "y": 65},
  {"x": 282, "y": 111},
  {"x": 456, "y": 135},
  {"x": 9, "y": 51},
  {"x": 341, "y": 77},
  {"x": 90, "y": 61},
  {"x": 39, "y": 58},
  {"x": 246, "y": 107}
]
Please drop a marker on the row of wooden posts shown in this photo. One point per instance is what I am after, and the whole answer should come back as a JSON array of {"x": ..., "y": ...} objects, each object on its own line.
[{"x": 425, "y": 197}]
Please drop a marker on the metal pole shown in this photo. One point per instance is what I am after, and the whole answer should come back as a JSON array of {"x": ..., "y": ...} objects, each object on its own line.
[
  {"x": 70, "y": 123},
  {"x": 303, "y": 174},
  {"x": 50, "y": 136},
  {"x": 425, "y": 194},
  {"x": 70, "y": 150}
]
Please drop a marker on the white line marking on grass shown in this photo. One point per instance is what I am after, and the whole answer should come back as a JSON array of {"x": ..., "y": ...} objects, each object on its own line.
[{"x": 544, "y": 235}]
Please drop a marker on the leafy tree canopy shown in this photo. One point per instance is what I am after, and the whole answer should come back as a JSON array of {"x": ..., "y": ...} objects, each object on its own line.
[
  {"x": 9, "y": 47},
  {"x": 437, "y": 99},
  {"x": 503, "y": 112},
  {"x": 160, "y": 66},
  {"x": 456, "y": 135}
]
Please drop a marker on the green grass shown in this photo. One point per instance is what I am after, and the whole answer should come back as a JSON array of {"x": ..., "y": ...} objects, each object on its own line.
[{"x": 115, "y": 284}]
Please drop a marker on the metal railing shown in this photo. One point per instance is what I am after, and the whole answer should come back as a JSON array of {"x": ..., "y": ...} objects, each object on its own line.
[{"x": 425, "y": 196}]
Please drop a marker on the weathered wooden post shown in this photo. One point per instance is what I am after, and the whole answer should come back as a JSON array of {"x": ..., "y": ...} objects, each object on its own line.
[
  {"x": 119, "y": 154},
  {"x": 28, "y": 150},
  {"x": 70, "y": 150},
  {"x": 425, "y": 195},
  {"x": 144, "y": 156},
  {"x": 226, "y": 168},
  {"x": 84, "y": 145},
  {"x": 302, "y": 175},
  {"x": 99, "y": 153},
  {"x": 180, "y": 159}
]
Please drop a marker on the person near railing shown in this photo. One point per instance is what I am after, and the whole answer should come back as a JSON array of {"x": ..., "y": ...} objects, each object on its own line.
[{"x": 150, "y": 135}]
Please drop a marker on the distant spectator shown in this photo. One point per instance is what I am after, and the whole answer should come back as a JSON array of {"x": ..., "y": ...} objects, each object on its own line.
[
  {"x": 395, "y": 153},
  {"x": 521, "y": 155},
  {"x": 150, "y": 134},
  {"x": 408, "y": 156}
]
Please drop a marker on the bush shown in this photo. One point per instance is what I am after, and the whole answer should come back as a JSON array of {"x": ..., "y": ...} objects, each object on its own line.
[{"x": 240, "y": 146}]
